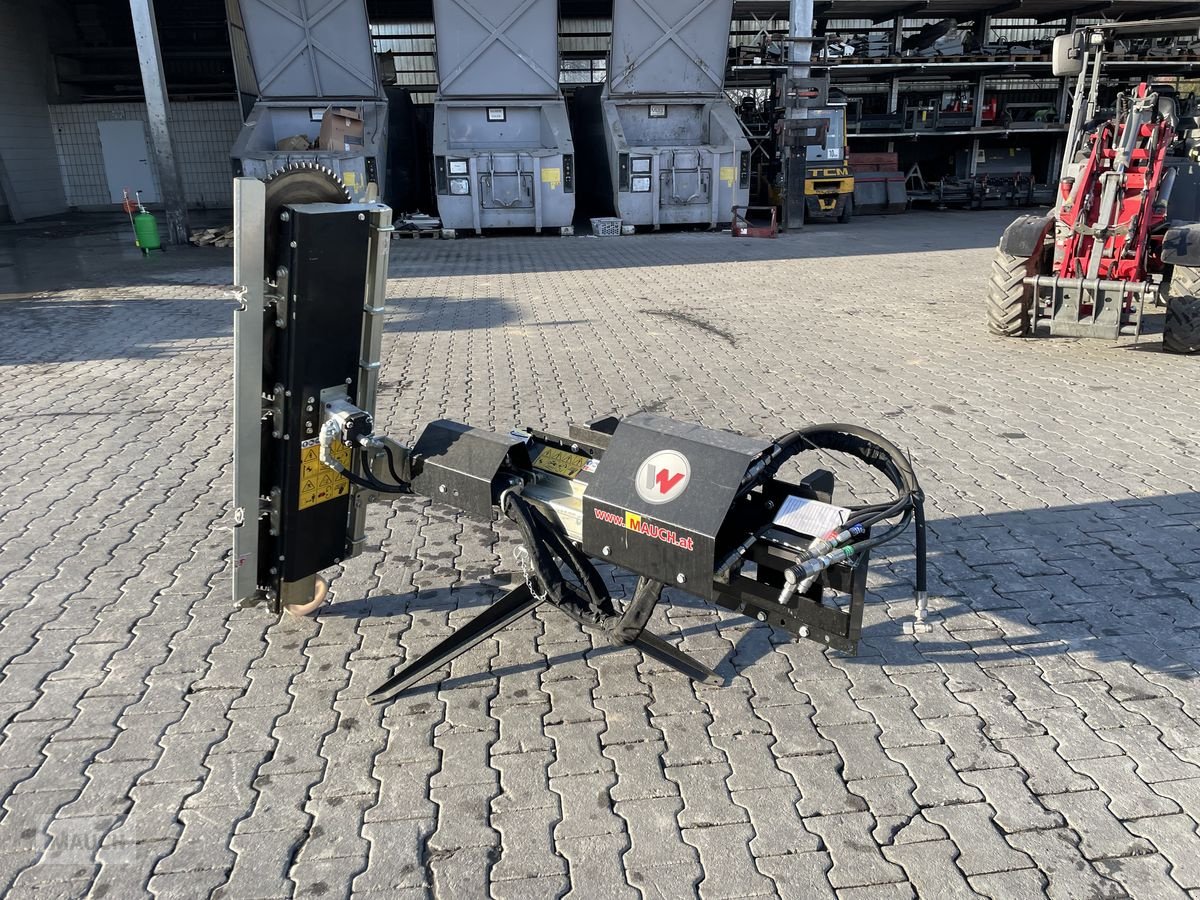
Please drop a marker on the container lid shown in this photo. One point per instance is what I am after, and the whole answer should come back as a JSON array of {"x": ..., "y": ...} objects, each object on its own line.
[
  {"x": 669, "y": 46},
  {"x": 303, "y": 49},
  {"x": 497, "y": 48}
]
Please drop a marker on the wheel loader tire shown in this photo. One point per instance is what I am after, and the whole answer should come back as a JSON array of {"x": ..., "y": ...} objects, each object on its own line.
[
  {"x": 1009, "y": 299},
  {"x": 1181, "y": 331}
]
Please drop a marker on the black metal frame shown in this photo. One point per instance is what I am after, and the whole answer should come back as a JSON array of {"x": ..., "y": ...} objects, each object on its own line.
[{"x": 723, "y": 546}]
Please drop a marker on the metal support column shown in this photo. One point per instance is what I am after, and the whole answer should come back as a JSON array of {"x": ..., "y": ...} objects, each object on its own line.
[
  {"x": 977, "y": 101},
  {"x": 145, "y": 32},
  {"x": 9, "y": 195},
  {"x": 983, "y": 25},
  {"x": 800, "y": 30},
  {"x": 893, "y": 106}
]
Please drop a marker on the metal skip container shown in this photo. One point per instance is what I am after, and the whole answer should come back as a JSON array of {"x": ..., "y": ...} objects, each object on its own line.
[
  {"x": 503, "y": 156},
  {"x": 294, "y": 61},
  {"x": 676, "y": 151}
]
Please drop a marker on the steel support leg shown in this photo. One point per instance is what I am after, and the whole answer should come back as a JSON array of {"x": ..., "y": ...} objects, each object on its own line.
[
  {"x": 656, "y": 648},
  {"x": 506, "y": 610},
  {"x": 512, "y": 606}
]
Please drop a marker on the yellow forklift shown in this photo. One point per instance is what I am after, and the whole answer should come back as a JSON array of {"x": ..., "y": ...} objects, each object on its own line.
[
  {"x": 828, "y": 182},
  {"x": 814, "y": 182}
]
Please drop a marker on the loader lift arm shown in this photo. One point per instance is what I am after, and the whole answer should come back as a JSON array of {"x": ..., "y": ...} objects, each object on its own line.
[{"x": 1090, "y": 267}]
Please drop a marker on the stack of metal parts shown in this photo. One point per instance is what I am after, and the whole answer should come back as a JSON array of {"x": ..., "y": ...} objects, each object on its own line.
[{"x": 878, "y": 184}]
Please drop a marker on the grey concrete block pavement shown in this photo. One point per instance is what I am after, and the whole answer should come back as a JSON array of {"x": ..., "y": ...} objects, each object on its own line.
[{"x": 1044, "y": 738}]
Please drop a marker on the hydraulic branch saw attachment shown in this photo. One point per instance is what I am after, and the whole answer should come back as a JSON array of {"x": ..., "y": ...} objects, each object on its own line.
[{"x": 699, "y": 510}]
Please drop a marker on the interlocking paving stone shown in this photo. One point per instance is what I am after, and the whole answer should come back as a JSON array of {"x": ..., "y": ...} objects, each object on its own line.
[
  {"x": 857, "y": 861},
  {"x": 937, "y": 782},
  {"x": 982, "y": 847},
  {"x": 778, "y": 828},
  {"x": 793, "y": 730},
  {"x": 933, "y": 699},
  {"x": 799, "y": 874},
  {"x": 1075, "y": 740},
  {"x": 595, "y": 861},
  {"x": 1128, "y": 796},
  {"x": 822, "y": 789},
  {"x": 893, "y": 891},
  {"x": 1154, "y": 761},
  {"x": 1176, "y": 729},
  {"x": 725, "y": 858},
  {"x": 1048, "y": 773},
  {"x": 1014, "y": 806},
  {"x": 1005, "y": 885},
  {"x": 898, "y": 726},
  {"x": 1056, "y": 855},
  {"x": 969, "y": 748},
  {"x": 1101, "y": 835},
  {"x": 1186, "y": 793},
  {"x": 678, "y": 880},
  {"x": 1175, "y": 837},
  {"x": 888, "y": 796},
  {"x": 1143, "y": 876},
  {"x": 931, "y": 869},
  {"x": 706, "y": 800},
  {"x": 1059, "y": 687}
]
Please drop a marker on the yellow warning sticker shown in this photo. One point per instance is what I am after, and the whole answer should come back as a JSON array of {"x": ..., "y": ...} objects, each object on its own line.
[
  {"x": 318, "y": 482},
  {"x": 560, "y": 462},
  {"x": 349, "y": 178},
  {"x": 552, "y": 177},
  {"x": 728, "y": 173}
]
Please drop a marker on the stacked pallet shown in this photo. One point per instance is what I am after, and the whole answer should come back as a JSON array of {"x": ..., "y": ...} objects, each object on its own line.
[{"x": 213, "y": 237}]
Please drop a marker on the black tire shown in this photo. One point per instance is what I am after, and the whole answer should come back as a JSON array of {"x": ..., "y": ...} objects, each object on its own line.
[
  {"x": 1181, "y": 330},
  {"x": 847, "y": 212},
  {"x": 1009, "y": 299}
]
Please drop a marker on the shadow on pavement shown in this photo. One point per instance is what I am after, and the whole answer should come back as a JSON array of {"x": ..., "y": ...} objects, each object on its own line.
[
  {"x": 1116, "y": 580},
  {"x": 865, "y": 236},
  {"x": 63, "y": 329}
]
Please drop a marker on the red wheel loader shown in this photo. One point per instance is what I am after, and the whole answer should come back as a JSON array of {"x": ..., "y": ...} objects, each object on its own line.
[{"x": 1110, "y": 246}]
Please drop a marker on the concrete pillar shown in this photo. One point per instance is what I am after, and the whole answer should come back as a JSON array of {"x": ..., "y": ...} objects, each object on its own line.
[{"x": 145, "y": 32}]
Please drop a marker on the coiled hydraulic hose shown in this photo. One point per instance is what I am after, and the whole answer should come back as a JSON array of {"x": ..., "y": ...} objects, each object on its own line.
[{"x": 877, "y": 452}]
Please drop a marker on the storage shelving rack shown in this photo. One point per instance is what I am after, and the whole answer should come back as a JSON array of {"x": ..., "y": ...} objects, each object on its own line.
[{"x": 897, "y": 103}]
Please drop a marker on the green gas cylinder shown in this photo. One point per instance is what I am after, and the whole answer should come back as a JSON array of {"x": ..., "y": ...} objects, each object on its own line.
[{"x": 145, "y": 231}]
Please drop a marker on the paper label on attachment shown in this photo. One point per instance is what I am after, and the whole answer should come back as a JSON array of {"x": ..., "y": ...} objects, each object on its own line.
[{"x": 810, "y": 517}]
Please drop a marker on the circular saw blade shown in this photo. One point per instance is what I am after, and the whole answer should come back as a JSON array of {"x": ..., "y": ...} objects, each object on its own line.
[{"x": 298, "y": 183}]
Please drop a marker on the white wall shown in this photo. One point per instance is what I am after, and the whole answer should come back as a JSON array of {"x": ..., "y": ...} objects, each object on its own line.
[
  {"x": 203, "y": 134},
  {"x": 26, "y": 139}
]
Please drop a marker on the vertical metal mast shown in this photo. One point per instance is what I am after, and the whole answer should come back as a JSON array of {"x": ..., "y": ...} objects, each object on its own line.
[
  {"x": 145, "y": 32},
  {"x": 800, "y": 29}
]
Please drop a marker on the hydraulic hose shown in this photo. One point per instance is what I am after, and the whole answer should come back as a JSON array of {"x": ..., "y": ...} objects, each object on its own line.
[
  {"x": 547, "y": 547},
  {"x": 877, "y": 452}
]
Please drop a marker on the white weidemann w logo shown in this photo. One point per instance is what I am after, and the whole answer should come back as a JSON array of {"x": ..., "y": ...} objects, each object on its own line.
[{"x": 663, "y": 476}]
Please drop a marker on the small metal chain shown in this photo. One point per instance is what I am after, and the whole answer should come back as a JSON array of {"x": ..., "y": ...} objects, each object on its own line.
[{"x": 521, "y": 555}]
